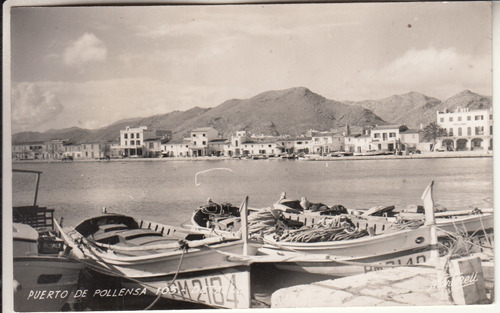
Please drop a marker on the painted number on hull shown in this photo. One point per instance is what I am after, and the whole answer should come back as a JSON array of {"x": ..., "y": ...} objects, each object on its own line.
[
  {"x": 405, "y": 261},
  {"x": 229, "y": 290}
]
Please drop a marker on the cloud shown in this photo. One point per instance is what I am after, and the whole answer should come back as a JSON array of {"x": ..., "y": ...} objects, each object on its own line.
[
  {"x": 435, "y": 72},
  {"x": 87, "y": 48},
  {"x": 32, "y": 107}
]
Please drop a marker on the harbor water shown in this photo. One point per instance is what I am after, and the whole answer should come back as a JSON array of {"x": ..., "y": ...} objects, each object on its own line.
[{"x": 169, "y": 191}]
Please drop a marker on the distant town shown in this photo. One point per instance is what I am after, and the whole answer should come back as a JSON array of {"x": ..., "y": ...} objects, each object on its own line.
[{"x": 460, "y": 130}]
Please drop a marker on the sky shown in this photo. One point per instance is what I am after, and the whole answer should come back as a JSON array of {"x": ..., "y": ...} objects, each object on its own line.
[{"x": 92, "y": 66}]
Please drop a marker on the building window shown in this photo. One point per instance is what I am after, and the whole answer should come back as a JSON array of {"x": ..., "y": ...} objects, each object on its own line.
[
  {"x": 468, "y": 118},
  {"x": 479, "y": 130},
  {"x": 450, "y": 132},
  {"x": 125, "y": 142},
  {"x": 151, "y": 145},
  {"x": 203, "y": 142},
  {"x": 459, "y": 118},
  {"x": 460, "y": 131},
  {"x": 194, "y": 135},
  {"x": 451, "y": 119},
  {"x": 469, "y": 131},
  {"x": 132, "y": 142},
  {"x": 441, "y": 120},
  {"x": 203, "y": 135},
  {"x": 125, "y": 136},
  {"x": 138, "y": 136},
  {"x": 132, "y": 135},
  {"x": 392, "y": 135},
  {"x": 194, "y": 143},
  {"x": 478, "y": 117}
]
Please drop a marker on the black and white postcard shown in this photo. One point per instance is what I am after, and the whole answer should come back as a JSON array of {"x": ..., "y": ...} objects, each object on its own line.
[{"x": 178, "y": 155}]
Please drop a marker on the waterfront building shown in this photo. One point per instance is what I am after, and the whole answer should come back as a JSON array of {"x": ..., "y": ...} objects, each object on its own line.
[
  {"x": 234, "y": 148},
  {"x": 153, "y": 146},
  {"x": 303, "y": 145},
  {"x": 218, "y": 147},
  {"x": 387, "y": 137},
  {"x": 54, "y": 149},
  {"x": 176, "y": 148},
  {"x": 295, "y": 145},
  {"x": 466, "y": 129},
  {"x": 73, "y": 150},
  {"x": 115, "y": 150},
  {"x": 260, "y": 147},
  {"x": 92, "y": 150},
  {"x": 326, "y": 142},
  {"x": 199, "y": 140},
  {"x": 411, "y": 140},
  {"x": 358, "y": 143},
  {"x": 27, "y": 150},
  {"x": 132, "y": 139}
]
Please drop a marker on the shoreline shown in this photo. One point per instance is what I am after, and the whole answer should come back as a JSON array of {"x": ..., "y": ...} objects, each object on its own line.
[{"x": 425, "y": 155}]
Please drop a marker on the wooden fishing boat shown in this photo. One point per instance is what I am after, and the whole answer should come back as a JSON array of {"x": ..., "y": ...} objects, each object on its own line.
[
  {"x": 44, "y": 280},
  {"x": 163, "y": 260},
  {"x": 44, "y": 276},
  {"x": 355, "y": 256}
]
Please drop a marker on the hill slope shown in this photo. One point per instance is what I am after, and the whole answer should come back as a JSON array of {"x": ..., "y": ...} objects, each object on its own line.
[
  {"x": 414, "y": 109},
  {"x": 284, "y": 112}
]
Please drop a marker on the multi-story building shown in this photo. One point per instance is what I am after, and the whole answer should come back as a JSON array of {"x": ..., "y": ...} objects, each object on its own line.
[
  {"x": 92, "y": 150},
  {"x": 132, "y": 139},
  {"x": 176, "y": 148},
  {"x": 234, "y": 148},
  {"x": 200, "y": 138},
  {"x": 73, "y": 150},
  {"x": 326, "y": 142},
  {"x": 54, "y": 149},
  {"x": 411, "y": 139},
  {"x": 466, "y": 129},
  {"x": 27, "y": 150},
  {"x": 358, "y": 143},
  {"x": 218, "y": 147},
  {"x": 387, "y": 137}
]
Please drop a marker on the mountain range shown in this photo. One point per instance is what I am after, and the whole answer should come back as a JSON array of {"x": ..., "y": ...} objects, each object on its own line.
[{"x": 283, "y": 112}]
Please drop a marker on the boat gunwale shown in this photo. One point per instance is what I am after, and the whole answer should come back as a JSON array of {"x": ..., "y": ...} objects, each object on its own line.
[{"x": 425, "y": 230}]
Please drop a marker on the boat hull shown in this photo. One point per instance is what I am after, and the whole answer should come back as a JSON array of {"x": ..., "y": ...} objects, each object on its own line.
[
  {"x": 350, "y": 257},
  {"x": 192, "y": 260},
  {"x": 222, "y": 288},
  {"x": 45, "y": 283}
]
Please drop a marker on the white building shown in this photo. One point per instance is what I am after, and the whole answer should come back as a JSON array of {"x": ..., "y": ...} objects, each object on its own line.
[
  {"x": 200, "y": 138},
  {"x": 176, "y": 148},
  {"x": 325, "y": 142},
  {"x": 359, "y": 143},
  {"x": 466, "y": 129},
  {"x": 132, "y": 139},
  {"x": 387, "y": 137}
]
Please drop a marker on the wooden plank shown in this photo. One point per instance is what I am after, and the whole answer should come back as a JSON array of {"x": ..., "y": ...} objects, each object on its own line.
[{"x": 467, "y": 281}]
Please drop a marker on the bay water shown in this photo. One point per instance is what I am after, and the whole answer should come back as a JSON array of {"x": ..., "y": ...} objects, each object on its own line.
[{"x": 169, "y": 191}]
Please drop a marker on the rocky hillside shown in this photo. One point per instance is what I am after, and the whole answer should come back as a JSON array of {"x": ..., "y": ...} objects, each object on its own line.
[
  {"x": 414, "y": 109},
  {"x": 285, "y": 112}
]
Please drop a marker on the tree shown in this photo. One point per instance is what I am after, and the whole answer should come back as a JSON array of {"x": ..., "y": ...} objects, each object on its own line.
[{"x": 432, "y": 132}]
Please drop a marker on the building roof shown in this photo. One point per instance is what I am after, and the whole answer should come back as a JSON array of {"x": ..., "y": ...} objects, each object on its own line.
[
  {"x": 153, "y": 139},
  {"x": 322, "y": 134},
  {"x": 217, "y": 140},
  {"x": 411, "y": 131},
  {"x": 28, "y": 143},
  {"x": 383, "y": 127},
  {"x": 203, "y": 129}
]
